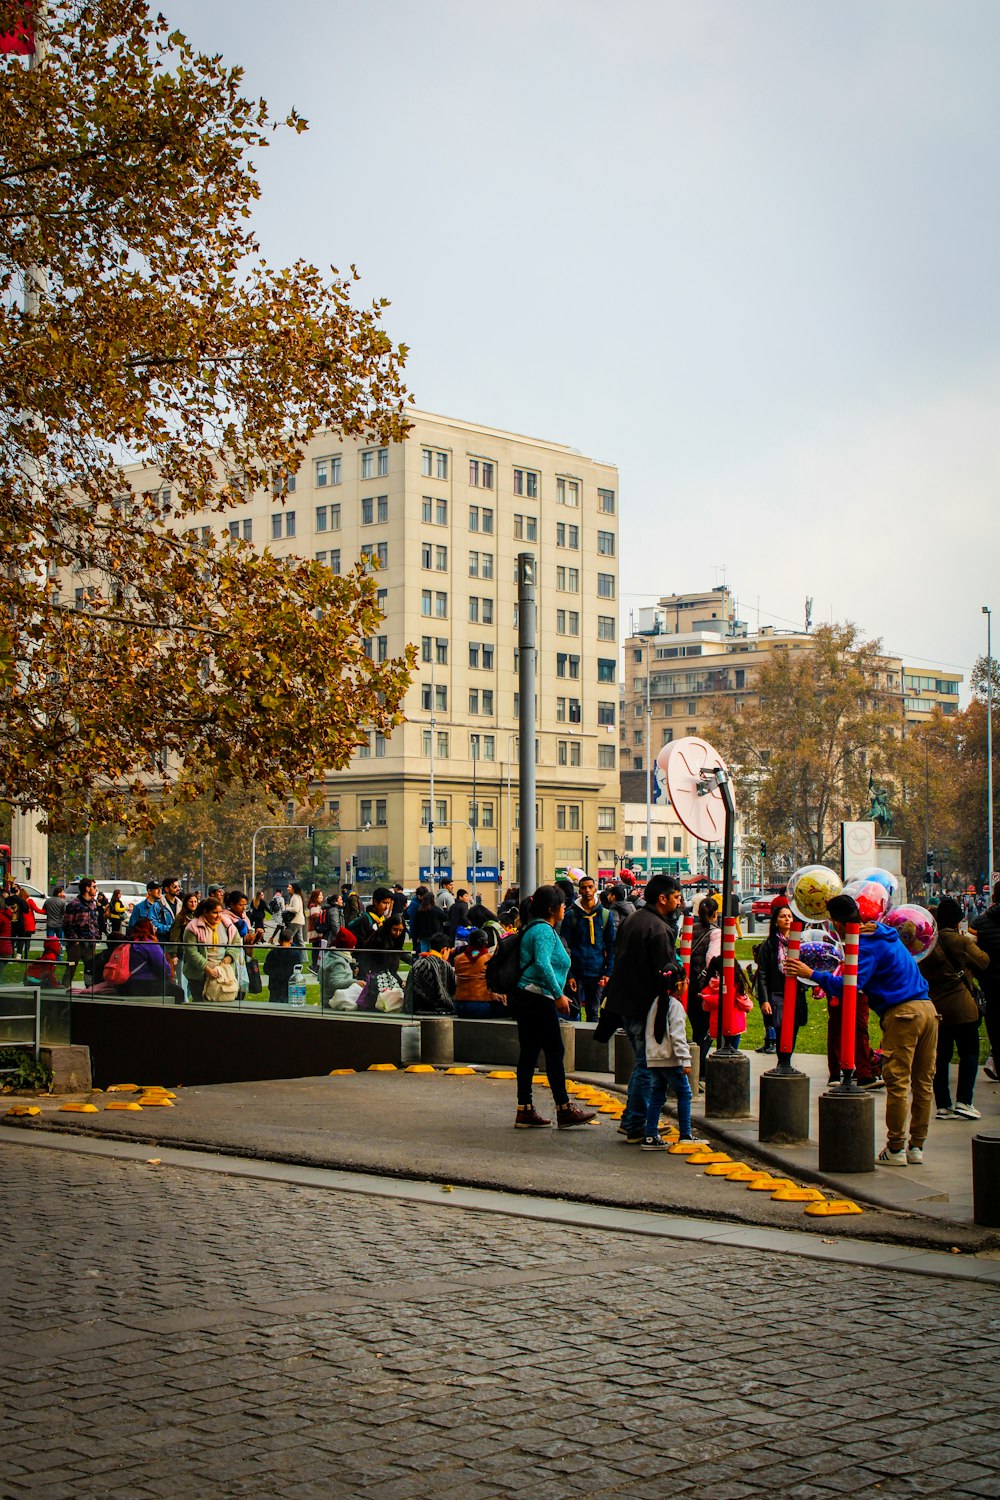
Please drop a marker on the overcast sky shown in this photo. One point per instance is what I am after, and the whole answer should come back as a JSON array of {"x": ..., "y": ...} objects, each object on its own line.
[{"x": 749, "y": 250}]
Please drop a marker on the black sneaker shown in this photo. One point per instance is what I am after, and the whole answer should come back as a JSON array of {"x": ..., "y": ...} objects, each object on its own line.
[{"x": 833, "y": 1078}]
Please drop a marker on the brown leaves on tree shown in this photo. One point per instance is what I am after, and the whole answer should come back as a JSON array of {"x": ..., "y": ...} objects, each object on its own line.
[{"x": 161, "y": 336}]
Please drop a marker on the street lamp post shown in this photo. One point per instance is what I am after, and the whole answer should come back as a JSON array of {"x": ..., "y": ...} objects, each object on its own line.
[
  {"x": 987, "y": 611},
  {"x": 474, "y": 820}
]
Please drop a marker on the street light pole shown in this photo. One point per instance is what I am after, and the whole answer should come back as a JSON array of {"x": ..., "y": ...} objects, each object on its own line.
[
  {"x": 474, "y": 820},
  {"x": 649, "y": 776},
  {"x": 987, "y": 611}
]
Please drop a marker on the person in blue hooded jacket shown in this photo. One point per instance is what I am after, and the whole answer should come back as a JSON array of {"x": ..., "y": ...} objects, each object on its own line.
[
  {"x": 588, "y": 930},
  {"x": 897, "y": 993}
]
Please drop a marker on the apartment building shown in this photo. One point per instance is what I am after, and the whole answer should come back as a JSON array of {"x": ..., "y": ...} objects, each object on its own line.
[
  {"x": 692, "y": 650},
  {"x": 441, "y": 517}
]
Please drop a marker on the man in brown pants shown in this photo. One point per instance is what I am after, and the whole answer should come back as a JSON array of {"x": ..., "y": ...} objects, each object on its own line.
[{"x": 897, "y": 993}]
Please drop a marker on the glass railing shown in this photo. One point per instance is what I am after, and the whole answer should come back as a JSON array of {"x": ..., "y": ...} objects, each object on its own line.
[{"x": 311, "y": 980}]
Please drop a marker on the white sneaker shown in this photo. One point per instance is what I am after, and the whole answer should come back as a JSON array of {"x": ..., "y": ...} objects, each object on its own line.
[
  {"x": 967, "y": 1112},
  {"x": 887, "y": 1158},
  {"x": 915, "y": 1156},
  {"x": 945, "y": 1114}
]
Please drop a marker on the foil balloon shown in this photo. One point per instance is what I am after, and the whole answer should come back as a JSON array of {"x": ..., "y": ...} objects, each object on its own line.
[
  {"x": 873, "y": 900},
  {"x": 822, "y": 950},
  {"x": 876, "y": 875},
  {"x": 916, "y": 927},
  {"x": 809, "y": 889}
]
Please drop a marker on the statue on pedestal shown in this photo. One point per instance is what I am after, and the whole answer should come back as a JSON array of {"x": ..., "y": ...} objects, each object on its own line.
[{"x": 878, "y": 810}]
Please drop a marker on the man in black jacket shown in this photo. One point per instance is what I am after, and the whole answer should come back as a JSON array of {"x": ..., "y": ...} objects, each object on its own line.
[
  {"x": 644, "y": 951},
  {"x": 987, "y": 934}
]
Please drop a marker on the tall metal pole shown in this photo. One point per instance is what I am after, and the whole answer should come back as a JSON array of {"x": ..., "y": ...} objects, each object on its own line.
[
  {"x": 526, "y": 644},
  {"x": 649, "y": 777},
  {"x": 474, "y": 820},
  {"x": 987, "y": 611},
  {"x": 430, "y": 814},
  {"x": 928, "y": 877}
]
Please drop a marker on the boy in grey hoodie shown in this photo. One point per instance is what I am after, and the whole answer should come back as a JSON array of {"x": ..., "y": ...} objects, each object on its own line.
[{"x": 668, "y": 1058}]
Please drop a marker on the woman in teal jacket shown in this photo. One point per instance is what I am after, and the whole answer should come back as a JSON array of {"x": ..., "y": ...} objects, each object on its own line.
[{"x": 536, "y": 1006}]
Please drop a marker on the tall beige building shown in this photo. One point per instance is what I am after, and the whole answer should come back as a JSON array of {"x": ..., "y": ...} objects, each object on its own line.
[{"x": 443, "y": 516}]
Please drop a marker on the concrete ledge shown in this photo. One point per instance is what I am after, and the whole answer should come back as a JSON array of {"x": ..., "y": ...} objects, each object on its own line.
[
  {"x": 495, "y": 1042},
  {"x": 591, "y": 1056},
  {"x": 189, "y": 1044}
]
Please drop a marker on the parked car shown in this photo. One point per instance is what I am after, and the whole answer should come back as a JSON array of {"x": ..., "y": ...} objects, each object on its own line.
[{"x": 131, "y": 890}]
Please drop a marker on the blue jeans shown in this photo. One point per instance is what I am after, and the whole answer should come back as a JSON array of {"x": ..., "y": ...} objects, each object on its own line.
[
  {"x": 661, "y": 1080},
  {"x": 473, "y": 1010},
  {"x": 640, "y": 1081}
]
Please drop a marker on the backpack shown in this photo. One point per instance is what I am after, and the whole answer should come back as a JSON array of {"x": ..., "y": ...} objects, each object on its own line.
[
  {"x": 503, "y": 968},
  {"x": 118, "y": 965}
]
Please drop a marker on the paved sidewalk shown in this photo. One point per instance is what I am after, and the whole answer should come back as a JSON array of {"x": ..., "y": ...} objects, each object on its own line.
[{"x": 455, "y": 1129}]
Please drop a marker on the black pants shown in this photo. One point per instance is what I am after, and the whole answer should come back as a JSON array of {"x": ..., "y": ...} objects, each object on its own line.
[
  {"x": 538, "y": 1031},
  {"x": 993, "y": 1027},
  {"x": 586, "y": 998},
  {"x": 964, "y": 1037}
]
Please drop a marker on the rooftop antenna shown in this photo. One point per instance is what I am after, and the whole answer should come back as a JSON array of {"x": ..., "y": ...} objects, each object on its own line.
[{"x": 809, "y": 613}]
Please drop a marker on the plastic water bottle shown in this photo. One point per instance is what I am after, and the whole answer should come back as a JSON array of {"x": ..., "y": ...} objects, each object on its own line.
[{"x": 297, "y": 987}]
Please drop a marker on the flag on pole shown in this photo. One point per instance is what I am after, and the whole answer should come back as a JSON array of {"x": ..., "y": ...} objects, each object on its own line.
[{"x": 21, "y": 37}]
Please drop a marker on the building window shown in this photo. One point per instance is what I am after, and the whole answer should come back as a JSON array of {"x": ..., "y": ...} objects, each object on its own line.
[
  {"x": 486, "y": 606},
  {"x": 383, "y": 462},
  {"x": 375, "y": 552},
  {"x": 605, "y": 585},
  {"x": 572, "y": 580},
  {"x": 367, "y": 511},
  {"x": 605, "y": 819},
  {"x": 605, "y": 757},
  {"x": 606, "y": 543},
  {"x": 637, "y": 737},
  {"x": 568, "y": 492},
  {"x": 606, "y": 501},
  {"x": 365, "y": 810},
  {"x": 427, "y": 462},
  {"x": 368, "y": 464},
  {"x": 487, "y": 520},
  {"x": 488, "y": 701},
  {"x": 442, "y": 465},
  {"x": 473, "y": 655},
  {"x": 328, "y": 471},
  {"x": 441, "y": 559},
  {"x": 473, "y": 609},
  {"x": 425, "y": 750},
  {"x": 575, "y": 714},
  {"x": 606, "y": 668},
  {"x": 526, "y": 483},
  {"x": 365, "y": 749},
  {"x": 383, "y": 648},
  {"x": 605, "y": 713},
  {"x": 481, "y": 473},
  {"x": 322, "y": 515},
  {"x": 425, "y": 601},
  {"x": 276, "y": 526},
  {"x": 379, "y": 743},
  {"x": 473, "y": 564},
  {"x": 486, "y": 564},
  {"x": 382, "y": 504},
  {"x": 442, "y": 750},
  {"x": 560, "y": 710},
  {"x": 426, "y": 553},
  {"x": 427, "y": 509},
  {"x": 441, "y": 606},
  {"x": 606, "y": 628},
  {"x": 335, "y": 561},
  {"x": 473, "y": 517},
  {"x": 426, "y": 648},
  {"x": 380, "y": 811},
  {"x": 473, "y": 700}
]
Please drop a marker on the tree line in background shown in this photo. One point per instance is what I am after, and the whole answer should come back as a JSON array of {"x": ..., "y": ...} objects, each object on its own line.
[{"x": 821, "y": 726}]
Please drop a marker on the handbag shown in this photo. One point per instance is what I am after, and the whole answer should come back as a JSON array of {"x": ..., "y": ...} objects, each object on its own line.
[
  {"x": 972, "y": 985},
  {"x": 221, "y": 988}
]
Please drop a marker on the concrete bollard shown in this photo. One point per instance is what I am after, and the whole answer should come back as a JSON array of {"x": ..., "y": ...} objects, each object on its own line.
[
  {"x": 784, "y": 1108},
  {"x": 437, "y": 1039},
  {"x": 70, "y": 1066},
  {"x": 568, "y": 1031},
  {"x": 694, "y": 1077},
  {"x": 846, "y": 1132},
  {"x": 727, "y": 1086},
  {"x": 624, "y": 1057},
  {"x": 986, "y": 1179}
]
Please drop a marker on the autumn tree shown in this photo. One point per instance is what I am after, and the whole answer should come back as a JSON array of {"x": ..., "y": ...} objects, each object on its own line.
[
  {"x": 820, "y": 720},
  {"x": 139, "y": 321}
]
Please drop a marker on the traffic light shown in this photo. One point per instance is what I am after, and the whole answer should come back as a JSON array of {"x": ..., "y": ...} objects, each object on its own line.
[
  {"x": 763, "y": 849},
  {"x": 501, "y": 867},
  {"x": 477, "y": 855}
]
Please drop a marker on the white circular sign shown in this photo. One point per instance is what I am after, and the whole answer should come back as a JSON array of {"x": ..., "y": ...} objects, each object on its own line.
[{"x": 698, "y": 805}]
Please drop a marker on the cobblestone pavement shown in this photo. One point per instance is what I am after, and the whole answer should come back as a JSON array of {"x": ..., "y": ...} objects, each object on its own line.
[{"x": 173, "y": 1333}]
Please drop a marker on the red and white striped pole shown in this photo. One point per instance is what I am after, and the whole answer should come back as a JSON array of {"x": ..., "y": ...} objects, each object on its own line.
[
  {"x": 786, "y": 1041},
  {"x": 849, "y": 1004},
  {"x": 687, "y": 940},
  {"x": 727, "y": 1008}
]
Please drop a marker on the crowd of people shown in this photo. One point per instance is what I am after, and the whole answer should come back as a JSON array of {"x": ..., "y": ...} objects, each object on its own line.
[{"x": 569, "y": 952}]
